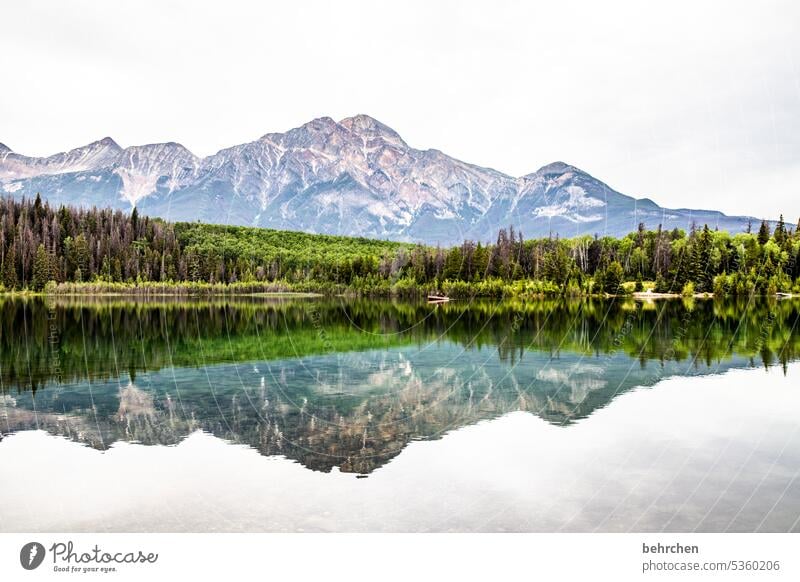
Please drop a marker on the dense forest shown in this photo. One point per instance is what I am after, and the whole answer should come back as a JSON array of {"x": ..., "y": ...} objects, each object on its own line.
[{"x": 70, "y": 249}]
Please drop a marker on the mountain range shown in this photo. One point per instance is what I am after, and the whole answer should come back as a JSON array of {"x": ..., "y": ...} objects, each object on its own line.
[{"x": 354, "y": 177}]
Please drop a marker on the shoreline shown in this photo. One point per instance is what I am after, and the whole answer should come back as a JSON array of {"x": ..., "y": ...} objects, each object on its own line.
[
  {"x": 654, "y": 295},
  {"x": 145, "y": 292}
]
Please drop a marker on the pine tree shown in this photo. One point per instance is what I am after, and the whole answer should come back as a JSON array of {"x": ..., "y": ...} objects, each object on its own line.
[
  {"x": 10, "y": 269},
  {"x": 77, "y": 254},
  {"x": 780, "y": 232},
  {"x": 41, "y": 269},
  {"x": 763, "y": 233},
  {"x": 38, "y": 212},
  {"x": 701, "y": 271}
]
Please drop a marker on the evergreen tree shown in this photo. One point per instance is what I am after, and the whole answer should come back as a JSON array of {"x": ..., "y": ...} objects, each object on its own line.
[
  {"x": 9, "y": 269},
  {"x": 780, "y": 232},
  {"x": 41, "y": 269},
  {"x": 702, "y": 273},
  {"x": 763, "y": 233}
]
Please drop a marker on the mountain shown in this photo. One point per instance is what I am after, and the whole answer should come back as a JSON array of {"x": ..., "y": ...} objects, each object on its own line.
[{"x": 352, "y": 177}]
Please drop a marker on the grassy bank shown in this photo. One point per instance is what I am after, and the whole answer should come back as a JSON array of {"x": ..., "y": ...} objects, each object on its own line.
[
  {"x": 403, "y": 288},
  {"x": 155, "y": 288}
]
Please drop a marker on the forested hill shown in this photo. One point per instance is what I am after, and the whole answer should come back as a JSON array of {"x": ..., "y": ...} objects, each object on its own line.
[{"x": 39, "y": 244}]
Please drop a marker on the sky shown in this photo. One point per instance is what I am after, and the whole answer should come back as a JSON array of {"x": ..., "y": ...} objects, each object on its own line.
[{"x": 693, "y": 104}]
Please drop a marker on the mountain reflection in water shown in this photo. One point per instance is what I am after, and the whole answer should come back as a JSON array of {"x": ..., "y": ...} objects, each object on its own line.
[{"x": 348, "y": 384}]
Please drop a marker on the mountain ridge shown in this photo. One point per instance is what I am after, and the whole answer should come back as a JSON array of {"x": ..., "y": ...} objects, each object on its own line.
[{"x": 353, "y": 177}]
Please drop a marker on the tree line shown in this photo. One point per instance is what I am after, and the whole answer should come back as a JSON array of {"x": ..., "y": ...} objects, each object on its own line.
[{"x": 67, "y": 245}]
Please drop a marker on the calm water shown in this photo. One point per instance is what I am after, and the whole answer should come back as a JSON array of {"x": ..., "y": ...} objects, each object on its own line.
[{"x": 336, "y": 415}]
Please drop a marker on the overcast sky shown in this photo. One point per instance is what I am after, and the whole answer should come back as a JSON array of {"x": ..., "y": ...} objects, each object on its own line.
[{"x": 692, "y": 104}]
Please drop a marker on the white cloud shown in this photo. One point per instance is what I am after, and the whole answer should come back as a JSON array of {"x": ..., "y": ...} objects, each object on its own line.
[{"x": 689, "y": 103}]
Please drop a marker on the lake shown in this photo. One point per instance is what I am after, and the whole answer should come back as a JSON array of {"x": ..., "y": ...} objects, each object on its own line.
[{"x": 303, "y": 414}]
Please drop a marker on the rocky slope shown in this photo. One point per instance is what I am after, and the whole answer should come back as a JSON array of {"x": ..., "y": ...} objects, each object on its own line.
[{"x": 352, "y": 177}]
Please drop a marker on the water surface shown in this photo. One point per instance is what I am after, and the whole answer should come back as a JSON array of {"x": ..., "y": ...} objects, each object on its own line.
[{"x": 338, "y": 415}]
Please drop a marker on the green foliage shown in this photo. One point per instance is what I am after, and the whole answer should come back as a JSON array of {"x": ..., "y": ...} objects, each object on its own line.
[
  {"x": 9, "y": 270},
  {"x": 661, "y": 285},
  {"x": 763, "y": 233},
  {"x": 281, "y": 254},
  {"x": 90, "y": 249},
  {"x": 41, "y": 269},
  {"x": 612, "y": 279}
]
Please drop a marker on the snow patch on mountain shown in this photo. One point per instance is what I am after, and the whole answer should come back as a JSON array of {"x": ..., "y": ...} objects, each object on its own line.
[
  {"x": 13, "y": 187},
  {"x": 356, "y": 176},
  {"x": 573, "y": 207},
  {"x": 136, "y": 186}
]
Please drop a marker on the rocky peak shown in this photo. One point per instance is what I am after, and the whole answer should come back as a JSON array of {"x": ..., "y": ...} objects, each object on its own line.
[
  {"x": 554, "y": 168},
  {"x": 108, "y": 142},
  {"x": 370, "y": 128},
  {"x": 314, "y": 133},
  {"x": 159, "y": 153}
]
